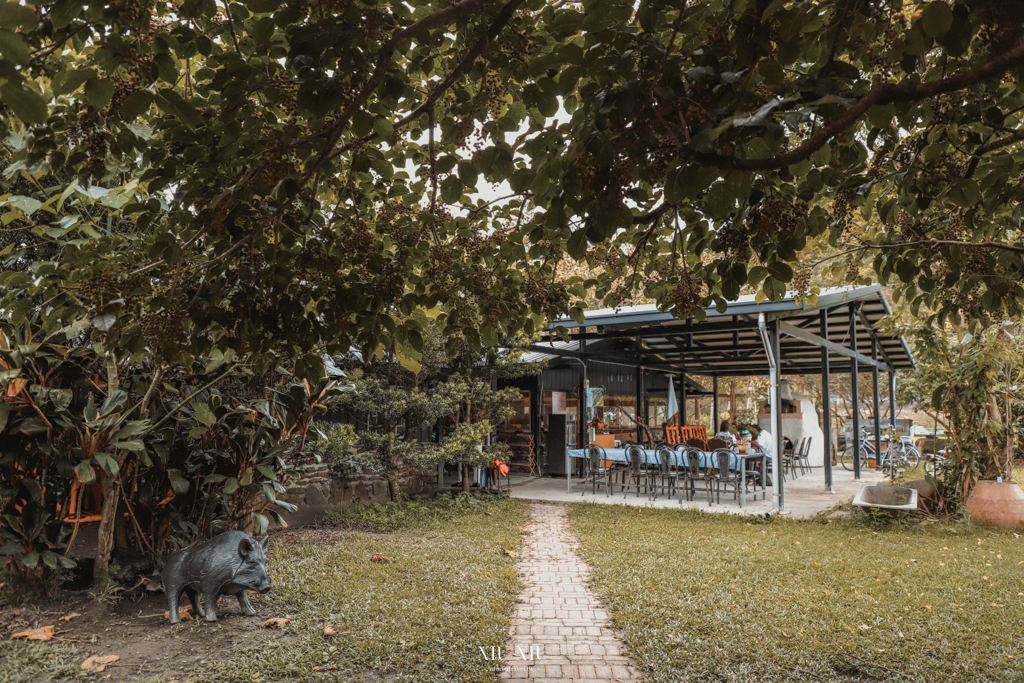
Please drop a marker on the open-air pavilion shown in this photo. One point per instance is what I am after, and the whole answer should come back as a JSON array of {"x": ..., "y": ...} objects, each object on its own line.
[{"x": 837, "y": 333}]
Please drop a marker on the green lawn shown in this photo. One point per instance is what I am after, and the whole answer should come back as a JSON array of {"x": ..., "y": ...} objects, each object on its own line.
[
  {"x": 705, "y": 597},
  {"x": 448, "y": 591}
]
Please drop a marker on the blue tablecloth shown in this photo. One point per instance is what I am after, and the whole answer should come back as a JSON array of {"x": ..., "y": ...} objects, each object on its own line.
[{"x": 651, "y": 457}]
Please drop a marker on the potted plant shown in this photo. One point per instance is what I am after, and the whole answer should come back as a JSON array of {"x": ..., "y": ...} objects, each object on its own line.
[{"x": 972, "y": 380}]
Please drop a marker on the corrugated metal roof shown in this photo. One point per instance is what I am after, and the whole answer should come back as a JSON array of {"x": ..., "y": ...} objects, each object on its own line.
[{"x": 728, "y": 343}]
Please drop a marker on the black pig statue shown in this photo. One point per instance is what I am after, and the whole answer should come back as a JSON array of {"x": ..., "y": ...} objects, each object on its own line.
[{"x": 228, "y": 564}]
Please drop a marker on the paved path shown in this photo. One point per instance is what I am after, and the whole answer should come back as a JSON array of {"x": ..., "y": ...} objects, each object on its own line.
[{"x": 558, "y": 616}]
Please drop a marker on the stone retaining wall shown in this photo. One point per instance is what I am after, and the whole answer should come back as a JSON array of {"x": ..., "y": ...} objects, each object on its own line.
[{"x": 315, "y": 490}]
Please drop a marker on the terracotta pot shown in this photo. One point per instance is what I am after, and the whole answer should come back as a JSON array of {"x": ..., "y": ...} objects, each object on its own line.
[
  {"x": 999, "y": 504},
  {"x": 871, "y": 462}
]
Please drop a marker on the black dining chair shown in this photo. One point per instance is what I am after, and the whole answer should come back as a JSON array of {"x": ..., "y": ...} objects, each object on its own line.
[
  {"x": 803, "y": 458},
  {"x": 667, "y": 473},
  {"x": 598, "y": 474},
  {"x": 636, "y": 471},
  {"x": 692, "y": 473},
  {"x": 726, "y": 476}
]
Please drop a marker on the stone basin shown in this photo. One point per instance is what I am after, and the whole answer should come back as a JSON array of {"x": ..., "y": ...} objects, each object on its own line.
[{"x": 886, "y": 497}]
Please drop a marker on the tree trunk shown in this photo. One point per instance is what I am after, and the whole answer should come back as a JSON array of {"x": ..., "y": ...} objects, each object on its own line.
[
  {"x": 101, "y": 570},
  {"x": 466, "y": 483},
  {"x": 111, "y": 498}
]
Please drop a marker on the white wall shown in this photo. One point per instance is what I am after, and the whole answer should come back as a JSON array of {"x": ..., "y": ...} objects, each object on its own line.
[{"x": 796, "y": 427}]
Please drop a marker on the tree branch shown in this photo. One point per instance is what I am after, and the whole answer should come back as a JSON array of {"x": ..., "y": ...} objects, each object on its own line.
[
  {"x": 441, "y": 18},
  {"x": 652, "y": 215},
  {"x": 499, "y": 22},
  {"x": 1017, "y": 136},
  {"x": 886, "y": 93},
  {"x": 985, "y": 244}
]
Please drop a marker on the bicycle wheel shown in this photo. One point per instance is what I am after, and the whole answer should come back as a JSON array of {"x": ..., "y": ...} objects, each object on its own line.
[
  {"x": 867, "y": 453},
  {"x": 847, "y": 460},
  {"x": 912, "y": 457}
]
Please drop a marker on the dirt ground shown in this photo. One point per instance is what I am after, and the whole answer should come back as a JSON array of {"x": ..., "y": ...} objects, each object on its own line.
[{"x": 137, "y": 631}]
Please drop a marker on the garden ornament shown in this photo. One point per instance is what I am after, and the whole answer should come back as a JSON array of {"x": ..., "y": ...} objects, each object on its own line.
[{"x": 228, "y": 564}]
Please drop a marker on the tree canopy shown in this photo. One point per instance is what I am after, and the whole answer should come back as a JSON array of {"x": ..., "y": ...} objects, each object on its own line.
[{"x": 265, "y": 176}]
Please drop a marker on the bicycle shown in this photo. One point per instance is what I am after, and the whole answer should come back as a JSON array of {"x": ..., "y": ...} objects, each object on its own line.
[
  {"x": 935, "y": 462},
  {"x": 904, "y": 455}
]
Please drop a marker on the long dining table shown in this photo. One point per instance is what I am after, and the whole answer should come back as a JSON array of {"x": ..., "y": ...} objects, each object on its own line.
[{"x": 737, "y": 462}]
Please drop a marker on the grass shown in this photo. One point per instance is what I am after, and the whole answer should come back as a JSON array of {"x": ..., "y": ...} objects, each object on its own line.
[
  {"x": 448, "y": 591},
  {"x": 703, "y": 597},
  {"x": 23, "y": 662}
]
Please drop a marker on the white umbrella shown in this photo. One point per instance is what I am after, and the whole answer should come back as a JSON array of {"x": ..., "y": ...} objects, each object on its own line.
[{"x": 673, "y": 406}]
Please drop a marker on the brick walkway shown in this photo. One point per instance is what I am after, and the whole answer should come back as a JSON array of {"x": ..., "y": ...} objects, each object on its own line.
[{"x": 558, "y": 616}]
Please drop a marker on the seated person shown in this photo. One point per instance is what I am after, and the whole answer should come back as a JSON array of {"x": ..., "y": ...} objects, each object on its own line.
[{"x": 724, "y": 433}]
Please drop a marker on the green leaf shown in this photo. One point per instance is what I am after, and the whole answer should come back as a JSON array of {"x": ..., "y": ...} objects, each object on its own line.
[
  {"x": 408, "y": 359},
  {"x": 489, "y": 336},
  {"x": 172, "y": 103},
  {"x": 205, "y": 415},
  {"x": 98, "y": 92},
  {"x": 27, "y": 105},
  {"x": 383, "y": 127},
  {"x": 577, "y": 314},
  {"x": 14, "y": 14},
  {"x": 267, "y": 471},
  {"x": 213, "y": 479},
  {"x": 69, "y": 81},
  {"x": 135, "y": 104},
  {"x": 104, "y": 321},
  {"x": 269, "y": 492},
  {"x": 5, "y": 411},
  {"x": 451, "y": 189},
  {"x": 937, "y": 18},
  {"x": 107, "y": 462},
  {"x": 230, "y": 485},
  {"x": 13, "y": 47},
  {"x": 134, "y": 445},
  {"x": 576, "y": 247},
  {"x": 178, "y": 483},
  {"x": 31, "y": 560},
  {"x": 86, "y": 474},
  {"x": 278, "y": 519},
  {"x": 772, "y": 71},
  {"x": 114, "y": 401},
  {"x": 259, "y": 524}
]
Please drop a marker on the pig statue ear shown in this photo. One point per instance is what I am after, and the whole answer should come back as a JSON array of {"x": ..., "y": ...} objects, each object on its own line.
[
  {"x": 264, "y": 542},
  {"x": 245, "y": 547}
]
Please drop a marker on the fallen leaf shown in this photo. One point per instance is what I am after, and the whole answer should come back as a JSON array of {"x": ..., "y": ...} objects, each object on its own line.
[
  {"x": 381, "y": 558},
  {"x": 865, "y": 627},
  {"x": 41, "y": 633},
  {"x": 97, "y": 663},
  {"x": 927, "y": 606},
  {"x": 167, "y": 499},
  {"x": 329, "y": 631},
  {"x": 488, "y": 514},
  {"x": 510, "y": 553},
  {"x": 275, "y": 622},
  {"x": 183, "y": 613},
  {"x": 69, "y": 617}
]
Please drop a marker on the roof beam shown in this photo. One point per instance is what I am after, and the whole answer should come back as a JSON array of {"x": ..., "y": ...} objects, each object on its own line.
[
  {"x": 552, "y": 351},
  {"x": 662, "y": 330},
  {"x": 811, "y": 338}
]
